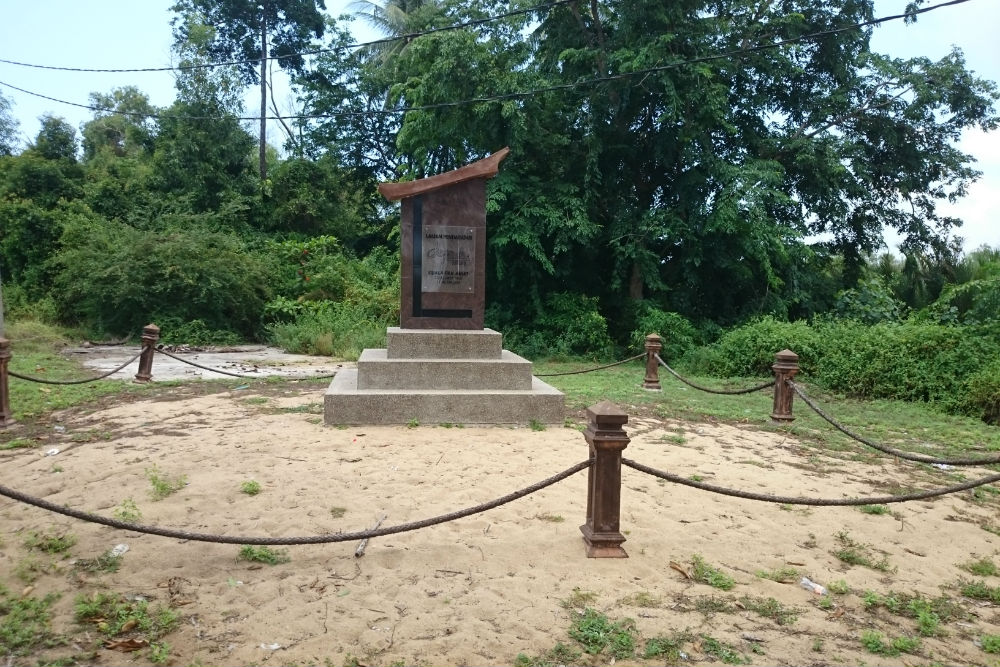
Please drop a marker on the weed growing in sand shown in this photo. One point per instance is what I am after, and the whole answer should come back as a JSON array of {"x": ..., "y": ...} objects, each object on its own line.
[
  {"x": 255, "y": 400},
  {"x": 25, "y": 623},
  {"x": 50, "y": 544},
  {"x": 114, "y": 616},
  {"x": 874, "y": 509},
  {"x": 782, "y": 575},
  {"x": 18, "y": 443},
  {"x": 641, "y": 599},
  {"x": 551, "y": 518},
  {"x": 413, "y": 423},
  {"x": 29, "y": 569},
  {"x": 711, "y": 605},
  {"x": 250, "y": 487},
  {"x": 856, "y": 553},
  {"x": 560, "y": 654},
  {"x": 337, "y": 512},
  {"x": 666, "y": 648},
  {"x": 578, "y": 599},
  {"x": 263, "y": 555},
  {"x": 536, "y": 425},
  {"x": 980, "y": 590},
  {"x": 727, "y": 653},
  {"x": 984, "y": 567},
  {"x": 163, "y": 485},
  {"x": 991, "y": 643},
  {"x": 770, "y": 608},
  {"x": 981, "y": 494},
  {"x": 128, "y": 511},
  {"x": 108, "y": 561},
  {"x": 707, "y": 574},
  {"x": 818, "y": 645},
  {"x": 839, "y": 587},
  {"x": 876, "y": 643},
  {"x": 159, "y": 653},
  {"x": 596, "y": 633}
]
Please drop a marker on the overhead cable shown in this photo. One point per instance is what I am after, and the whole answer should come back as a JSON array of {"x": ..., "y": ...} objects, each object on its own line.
[
  {"x": 347, "y": 47},
  {"x": 518, "y": 94}
]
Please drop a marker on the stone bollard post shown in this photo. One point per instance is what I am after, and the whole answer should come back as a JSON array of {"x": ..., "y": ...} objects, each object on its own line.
[
  {"x": 607, "y": 439},
  {"x": 6, "y": 416},
  {"x": 652, "y": 380},
  {"x": 150, "y": 334},
  {"x": 785, "y": 367}
]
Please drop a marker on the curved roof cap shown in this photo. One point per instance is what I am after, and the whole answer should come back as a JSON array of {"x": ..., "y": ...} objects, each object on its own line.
[{"x": 485, "y": 168}]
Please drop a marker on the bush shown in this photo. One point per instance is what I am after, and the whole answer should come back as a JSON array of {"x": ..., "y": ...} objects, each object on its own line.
[
  {"x": 749, "y": 350},
  {"x": 679, "y": 335},
  {"x": 568, "y": 326},
  {"x": 115, "y": 278},
  {"x": 983, "y": 393},
  {"x": 331, "y": 329}
]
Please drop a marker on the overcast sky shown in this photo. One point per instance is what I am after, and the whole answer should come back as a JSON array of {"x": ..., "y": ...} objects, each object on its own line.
[{"x": 136, "y": 33}]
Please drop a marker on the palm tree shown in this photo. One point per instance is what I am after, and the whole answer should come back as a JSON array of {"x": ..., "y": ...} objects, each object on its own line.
[{"x": 396, "y": 20}]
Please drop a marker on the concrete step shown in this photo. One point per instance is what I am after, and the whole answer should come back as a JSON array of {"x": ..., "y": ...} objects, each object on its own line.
[
  {"x": 443, "y": 343},
  {"x": 345, "y": 403},
  {"x": 377, "y": 371}
]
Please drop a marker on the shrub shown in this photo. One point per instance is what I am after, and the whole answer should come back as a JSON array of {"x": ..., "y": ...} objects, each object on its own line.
[
  {"x": 983, "y": 393},
  {"x": 749, "y": 350},
  {"x": 116, "y": 279},
  {"x": 679, "y": 335},
  {"x": 569, "y": 325}
]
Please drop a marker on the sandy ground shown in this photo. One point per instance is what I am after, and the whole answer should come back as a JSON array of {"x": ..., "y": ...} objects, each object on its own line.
[{"x": 483, "y": 589}]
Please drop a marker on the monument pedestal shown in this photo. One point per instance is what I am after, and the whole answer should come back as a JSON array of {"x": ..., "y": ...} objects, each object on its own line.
[{"x": 435, "y": 376}]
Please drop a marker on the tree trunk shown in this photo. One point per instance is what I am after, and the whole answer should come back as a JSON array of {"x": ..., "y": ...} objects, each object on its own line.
[
  {"x": 635, "y": 283},
  {"x": 263, "y": 93}
]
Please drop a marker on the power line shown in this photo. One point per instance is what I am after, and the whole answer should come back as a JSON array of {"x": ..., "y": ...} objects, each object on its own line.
[
  {"x": 359, "y": 45},
  {"x": 519, "y": 94}
]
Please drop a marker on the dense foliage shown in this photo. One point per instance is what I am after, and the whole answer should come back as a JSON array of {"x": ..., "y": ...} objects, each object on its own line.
[{"x": 682, "y": 167}]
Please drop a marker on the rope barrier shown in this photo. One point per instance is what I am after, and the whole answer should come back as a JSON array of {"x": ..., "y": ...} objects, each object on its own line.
[
  {"x": 816, "y": 502},
  {"x": 84, "y": 381},
  {"x": 591, "y": 370},
  {"x": 909, "y": 456},
  {"x": 278, "y": 541},
  {"x": 240, "y": 375},
  {"x": 732, "y": 392}
]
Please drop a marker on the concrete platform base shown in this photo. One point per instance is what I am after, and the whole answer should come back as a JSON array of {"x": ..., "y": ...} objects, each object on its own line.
[
  {"x": 344, "y": 403},
  {"x": 435, "y": 376}
]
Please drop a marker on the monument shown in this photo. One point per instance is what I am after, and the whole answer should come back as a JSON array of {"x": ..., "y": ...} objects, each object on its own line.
[{"x": 440, "y": 365}]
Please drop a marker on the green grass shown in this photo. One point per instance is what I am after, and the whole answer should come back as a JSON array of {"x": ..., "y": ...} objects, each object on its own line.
[
  {"x": 853, "y": 552},
  {"x": 991, "y": 643},
  {"x": 560, "y": 654},
  {"x": 114, "y": 615},
  {"x": 770, "y": 608},
  {"x": 666, "y": 648},
  {"x": 597, "y": 634},
  {"x": 106, "y": 562},
  {"x": 907, "y": 426},
  {"x": 250, "y": 487},
  {"x": 708, "y": 574},
  {"x": 25, "y": 623},
  {"x": 727, "y": 653},
  {"x": 980, "y": 590},
  {"x": 164, "y": 485},
  {"x": 839, "y": 587},
  {"x": 50, "y": 544},
  {"x": 874, "y": 509},
  {"x": 265, "y": 555},
  {"x": 876, "y": 643},
  {"x": 128, "y": 511},
  {"x": 782, "y": 575},
  {"x": 984, "y": 567}
]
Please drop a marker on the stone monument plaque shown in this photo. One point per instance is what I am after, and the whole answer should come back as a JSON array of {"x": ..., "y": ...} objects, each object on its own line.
[
  {"x": 448, "y": 259},
  {"x": 443, "y": 246}
]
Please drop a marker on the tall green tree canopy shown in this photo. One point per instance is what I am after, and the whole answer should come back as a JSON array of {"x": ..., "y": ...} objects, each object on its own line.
[
  {"x": 252, "y": 32},
  {"x": 708, "y": 154},
  {"x": 8, "y": 128}
]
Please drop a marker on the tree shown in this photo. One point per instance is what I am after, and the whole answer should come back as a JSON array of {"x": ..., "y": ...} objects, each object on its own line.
[
  {"x": 692, "y": 177},
  {"x": 9, "y": 135},
  {"x": 252, "y": 33},
  {"x": 125, "y": 125},
  {"x": 56, "y": 140}
]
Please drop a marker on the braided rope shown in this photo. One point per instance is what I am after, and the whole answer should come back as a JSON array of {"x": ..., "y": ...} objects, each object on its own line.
[
  {"x": 240, "y": 375},
  {"x": 909, "y": 456},
  {"x": 84, "y": 381},
  {"x": 732, "y": 392},
  {"x": 591, "y": 370},
  {"x": 313, "y": 539},
  {"x": 816, "y": 502}
]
